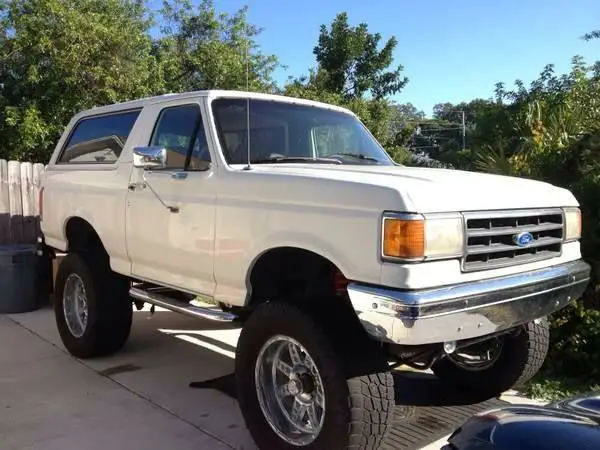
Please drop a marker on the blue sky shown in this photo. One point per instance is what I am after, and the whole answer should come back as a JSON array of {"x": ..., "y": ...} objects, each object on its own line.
[{"x": 451, "y": 50}]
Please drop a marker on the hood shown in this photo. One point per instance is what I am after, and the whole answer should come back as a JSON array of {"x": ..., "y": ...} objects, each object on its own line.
[{"x": 439, "y": 190}]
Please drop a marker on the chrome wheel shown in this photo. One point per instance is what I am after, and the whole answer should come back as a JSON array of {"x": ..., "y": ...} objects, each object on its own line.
[
  {"x": 75, "y": 306},
  {"x": 290, "y": 390},
  {"x": 479, "y": 356}
]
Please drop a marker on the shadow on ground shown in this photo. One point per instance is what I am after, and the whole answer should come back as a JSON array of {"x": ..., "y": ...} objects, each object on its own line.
[
  {"x": 426, "y": 410},
  {"x": 412, "y": 389},
  {"x": 423, "y": 389}
]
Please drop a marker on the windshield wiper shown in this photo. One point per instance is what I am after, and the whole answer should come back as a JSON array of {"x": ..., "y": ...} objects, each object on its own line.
[
  {"x": 293, "y": 159},
  {"x": 358, "y": 156}
]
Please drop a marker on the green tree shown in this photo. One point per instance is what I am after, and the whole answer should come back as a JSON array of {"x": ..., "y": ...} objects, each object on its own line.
[
  {"x": 408, "y": 112},
  {"x": 350, "y": 63},
  {"x": 200, "y": 48},
  {"x": 60, "y": 56}
]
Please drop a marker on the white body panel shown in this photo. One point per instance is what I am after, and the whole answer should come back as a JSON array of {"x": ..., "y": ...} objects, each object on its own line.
[{"x": 230, "y": 216}]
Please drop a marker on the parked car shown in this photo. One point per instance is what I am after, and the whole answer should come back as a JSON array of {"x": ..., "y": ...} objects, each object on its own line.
[
  {"x": 287, "y": 216},
  {"x": 570, "y": 424}
]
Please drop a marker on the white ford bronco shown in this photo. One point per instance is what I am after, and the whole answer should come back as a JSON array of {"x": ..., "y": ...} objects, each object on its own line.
[{"x": 287, "y": 217}]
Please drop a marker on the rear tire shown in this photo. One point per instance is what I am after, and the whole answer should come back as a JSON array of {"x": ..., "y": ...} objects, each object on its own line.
[
  {"x": 351, "y": 408},
  {"x": 92, "y": 308},
  {"x": 520, "y": 358}
]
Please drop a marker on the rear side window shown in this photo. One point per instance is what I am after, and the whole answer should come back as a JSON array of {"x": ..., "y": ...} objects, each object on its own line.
[{"x": 99, "y": 140}]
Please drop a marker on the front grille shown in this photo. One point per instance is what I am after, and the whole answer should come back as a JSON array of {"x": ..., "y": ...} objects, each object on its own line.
[{"x": 490, "y": 237}]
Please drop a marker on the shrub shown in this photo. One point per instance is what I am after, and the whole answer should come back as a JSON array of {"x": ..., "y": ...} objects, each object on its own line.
[{"x": 575, "y": 342}]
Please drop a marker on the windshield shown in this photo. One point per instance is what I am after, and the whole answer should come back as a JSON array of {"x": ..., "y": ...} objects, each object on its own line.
[{"x": 284, "y": 132}]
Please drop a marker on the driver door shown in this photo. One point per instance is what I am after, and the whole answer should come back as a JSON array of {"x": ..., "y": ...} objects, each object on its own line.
[{"x": 171, "y": 211}]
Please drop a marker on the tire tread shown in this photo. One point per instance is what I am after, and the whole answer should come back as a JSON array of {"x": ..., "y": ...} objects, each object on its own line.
[
  {"x": 367, "y": 415},
  {"x": 110, "y": 297},
  {"x": 522, "y": 357}
]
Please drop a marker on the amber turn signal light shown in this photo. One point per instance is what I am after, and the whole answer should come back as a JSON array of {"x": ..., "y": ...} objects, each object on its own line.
[{"x": 403, "y": 238}]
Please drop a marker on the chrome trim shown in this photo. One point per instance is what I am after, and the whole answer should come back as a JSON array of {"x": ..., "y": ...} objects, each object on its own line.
[
  {"x": 510, "y": 230},
  {"x": 149, "y": 158},
  {"x": 154, "y": 298},
  {"x": 279, "y": 370},
  {"x": 500, "y": 214},
  {"x": 467, "y": 310},
  {"x": 75, "y": 305},
  {"x": 477, "y": 266},
  {"x": 505, "y": 248}
]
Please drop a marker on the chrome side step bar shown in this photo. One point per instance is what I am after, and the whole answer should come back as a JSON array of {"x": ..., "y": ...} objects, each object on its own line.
[{"x": 179, "y": 306}]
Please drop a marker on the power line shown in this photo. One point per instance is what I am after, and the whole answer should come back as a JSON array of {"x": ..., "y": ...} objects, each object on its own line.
[{"x": 441, "y": 129}]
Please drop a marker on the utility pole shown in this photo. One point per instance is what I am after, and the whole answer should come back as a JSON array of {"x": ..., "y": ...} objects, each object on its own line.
[{"x": 464, "y": 133}]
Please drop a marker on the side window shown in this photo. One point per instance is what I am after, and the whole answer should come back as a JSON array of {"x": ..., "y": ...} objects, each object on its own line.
[
  {"x": 179, "y": 129},
  {"x": 200, "y": 159},
  {"x": 98, "y": 140}
]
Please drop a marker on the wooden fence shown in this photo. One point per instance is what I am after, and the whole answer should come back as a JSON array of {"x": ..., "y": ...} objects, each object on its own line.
[{"x": 19, "y": 207}]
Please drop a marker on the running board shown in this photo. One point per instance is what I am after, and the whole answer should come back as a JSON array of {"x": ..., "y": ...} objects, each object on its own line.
[{"x": 179, "y": 306}]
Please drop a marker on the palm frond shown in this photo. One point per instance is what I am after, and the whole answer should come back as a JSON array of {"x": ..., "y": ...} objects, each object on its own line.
[{"x": 490, "y": 160}]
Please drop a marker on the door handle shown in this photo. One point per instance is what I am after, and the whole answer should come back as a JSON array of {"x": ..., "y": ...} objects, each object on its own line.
[{"x": 179, "y": 175}]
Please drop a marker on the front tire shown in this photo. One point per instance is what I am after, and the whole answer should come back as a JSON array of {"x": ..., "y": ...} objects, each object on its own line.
[
  {"x": 520, "y": 357},
  {"x": 296, "y": 391},
  {"x": 93, "y": 310}
]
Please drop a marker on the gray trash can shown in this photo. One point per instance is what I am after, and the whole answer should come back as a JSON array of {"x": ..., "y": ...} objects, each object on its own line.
[{"x": 18, "y": 293}]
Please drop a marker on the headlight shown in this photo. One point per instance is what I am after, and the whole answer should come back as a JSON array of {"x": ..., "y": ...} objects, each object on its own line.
[
  {"x": 572, "y": 224},
  {"x": 418, "y": 237}
]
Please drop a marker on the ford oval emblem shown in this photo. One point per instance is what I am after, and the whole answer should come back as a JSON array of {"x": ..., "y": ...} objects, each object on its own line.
[{"x": 523, "y": 239}]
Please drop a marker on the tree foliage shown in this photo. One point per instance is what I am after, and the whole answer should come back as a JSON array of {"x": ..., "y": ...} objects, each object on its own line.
[
  {"x": 351, "y": 64},
  {"x": 58, "y": 57},
  {"x": 203, "y": 49}
]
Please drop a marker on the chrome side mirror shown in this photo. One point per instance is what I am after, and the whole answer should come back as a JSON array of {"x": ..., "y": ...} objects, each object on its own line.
[{"x": 149, "y": 158}]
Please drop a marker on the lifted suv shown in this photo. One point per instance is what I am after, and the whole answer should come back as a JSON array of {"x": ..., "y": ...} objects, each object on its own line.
[{"x": 340, "y": 264}]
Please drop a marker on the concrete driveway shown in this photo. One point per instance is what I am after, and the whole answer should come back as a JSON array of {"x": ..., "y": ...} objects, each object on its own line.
[{"x": 141, "y": 397}]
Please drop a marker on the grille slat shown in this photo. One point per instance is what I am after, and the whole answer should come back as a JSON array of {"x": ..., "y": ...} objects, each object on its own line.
[
  {"x": 495, "y": 248},
  {"x": 511, "y": 230},
  {"x": 490, "y": 236}
]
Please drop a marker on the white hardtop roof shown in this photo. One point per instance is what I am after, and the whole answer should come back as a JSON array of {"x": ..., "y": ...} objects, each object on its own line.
[{"x": 212, "y": 93}]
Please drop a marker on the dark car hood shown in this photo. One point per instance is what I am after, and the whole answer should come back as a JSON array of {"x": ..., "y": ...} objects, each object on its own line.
[{"x": 573, "y": 423}]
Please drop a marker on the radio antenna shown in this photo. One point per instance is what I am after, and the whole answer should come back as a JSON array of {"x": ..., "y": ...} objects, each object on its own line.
[{"x": 247, "y": 58}]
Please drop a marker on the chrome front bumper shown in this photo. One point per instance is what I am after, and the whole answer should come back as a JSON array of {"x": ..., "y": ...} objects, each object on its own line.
[{"x": 468, "y": 310}]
